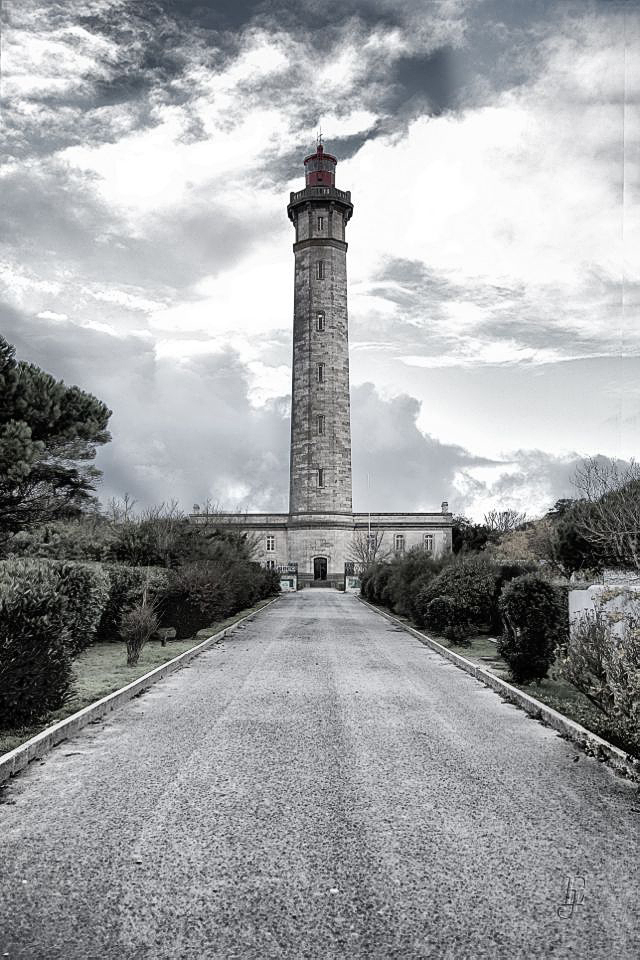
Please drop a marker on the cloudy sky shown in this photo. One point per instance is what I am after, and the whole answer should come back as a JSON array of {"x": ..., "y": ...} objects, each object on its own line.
[{"x": 492, "y": 148}]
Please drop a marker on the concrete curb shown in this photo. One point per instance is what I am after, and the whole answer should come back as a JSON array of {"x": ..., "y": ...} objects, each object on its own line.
[
  {"x": 593, "y": 745},
  {"x": 16, "y": 760}
]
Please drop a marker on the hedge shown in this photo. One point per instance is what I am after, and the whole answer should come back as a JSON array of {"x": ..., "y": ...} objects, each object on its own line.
[{"x": 35, "y": 656}]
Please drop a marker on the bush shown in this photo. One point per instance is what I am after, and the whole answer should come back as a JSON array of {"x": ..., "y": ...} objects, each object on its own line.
[
  {"x": 396, "y": 583},
  {"x": 137, "y": 626},
  {"x": 199, "y": 594},
  {"x": 582, "y": 660},
  {"x": 127, "y": 586},
  {"x": 85, "y": 587},
  {"x": 469, "y": 582},
  {"x": 35, "y": 663},
  {"x": 87, "y": 538},
  {"x": 602, "y": 661},
  {"x": 505, "y": 573},
  {"x": 448, "y": 617},
  {"x": 410, "y": 574},
  {"x": 532, "y": 624}
]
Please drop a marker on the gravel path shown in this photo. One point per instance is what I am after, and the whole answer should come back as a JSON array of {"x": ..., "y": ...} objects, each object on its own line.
[{"x": 319, "y": 786}]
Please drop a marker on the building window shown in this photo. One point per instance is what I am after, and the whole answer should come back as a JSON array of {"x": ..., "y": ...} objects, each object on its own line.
[
  {"x": 319, "y": 269},
  {"x": 320, "y": 373},
  {"x": 320, "y": 320},
  {"x": 270, "y": 564},
  {"x": 399, "y": 542},
  {"x": 320, "y": 424},
  {"x": 372, "y": 541},
  {"x": 427, "y": 541},
  {"x": 320, "y": 223},
  {"x": 320, "y": 477},
  {"x": 271, "y": 544}
]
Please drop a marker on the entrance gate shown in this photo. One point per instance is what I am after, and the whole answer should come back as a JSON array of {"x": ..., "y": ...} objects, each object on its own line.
[{"x": 319, "y": 568}]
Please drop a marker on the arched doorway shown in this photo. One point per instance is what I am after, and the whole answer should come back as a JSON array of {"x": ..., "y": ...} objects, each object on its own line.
[{"x": 319, "y": 568}]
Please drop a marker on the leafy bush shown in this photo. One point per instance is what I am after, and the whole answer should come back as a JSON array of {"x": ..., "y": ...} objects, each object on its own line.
[
  {"x": 137, "y": 625},
  {"x": 86, "y": 588},
  {"x": 87, "y": 538},
  {"x": 532, "y": 624},
  {"x": 396, "y": 583},
  {"x": 438, "y": 613},
  {"x": 199, "y": 594},
  {"x": 582, "y": 660},
  {"x": 470, "y": 583},
  {"x": 601, "y": 658},
  {"x": 409, "y": 575},
  {"x": 35, "y": 663},
  {"x": 126, "y": 589},
  {"x": 445, "y": 615},
  {"x": 505, "y": 573},
  {"x": 624, "y": 674}
]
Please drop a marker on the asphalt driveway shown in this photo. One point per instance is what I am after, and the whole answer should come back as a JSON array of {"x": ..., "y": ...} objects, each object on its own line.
[{"x": 318, "y": 786}]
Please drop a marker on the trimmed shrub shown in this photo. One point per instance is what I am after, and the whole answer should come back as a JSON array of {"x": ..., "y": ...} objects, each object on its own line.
[
  {"x": 35, "y": 663},
  {"x": 409, "y": 575},
  {"x": 85, "y": 588},
  {"x": 127, "y": 588},
  {"x": 199, "y": 594},
  {"x": 505, "y": 573},
  {"x": 396, "y": 583},
  {"x": 137, "y": 626},
  {"x": 469, "y": 582},
  {"x": 450, "y": 618},
  {"x": 532, "y": 624},
  {"x": 438, "y": 613},
  {"x": 380, "y": 579}
]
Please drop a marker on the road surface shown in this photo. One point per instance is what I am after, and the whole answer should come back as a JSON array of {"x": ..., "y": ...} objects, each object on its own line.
[{"x": 319, "y": 786}]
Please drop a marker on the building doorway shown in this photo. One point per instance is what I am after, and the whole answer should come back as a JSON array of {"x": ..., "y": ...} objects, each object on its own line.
[{"x": 319, "y": 568}]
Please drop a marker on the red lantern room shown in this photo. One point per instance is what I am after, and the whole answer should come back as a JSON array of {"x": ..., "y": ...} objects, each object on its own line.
[{"x": 320, "y": 169}]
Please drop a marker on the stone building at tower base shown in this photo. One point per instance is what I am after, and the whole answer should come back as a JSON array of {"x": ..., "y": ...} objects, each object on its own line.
[{"x": 320, "y": 547}]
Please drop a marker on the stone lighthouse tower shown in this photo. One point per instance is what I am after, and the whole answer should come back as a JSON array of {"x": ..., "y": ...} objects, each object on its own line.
[
  {"x": 320, "y": 466},
  {"x": 320, "y": 541}
]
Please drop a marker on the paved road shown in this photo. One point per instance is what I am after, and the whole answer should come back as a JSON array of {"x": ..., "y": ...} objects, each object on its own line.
[{"x": 320, "y": 786}]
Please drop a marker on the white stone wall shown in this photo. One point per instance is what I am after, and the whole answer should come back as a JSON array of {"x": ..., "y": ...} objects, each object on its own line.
[{"x": 589, "y": 600}]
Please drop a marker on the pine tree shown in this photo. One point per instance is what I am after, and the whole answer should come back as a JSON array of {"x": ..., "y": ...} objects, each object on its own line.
[{"x": 49, "y": 434}]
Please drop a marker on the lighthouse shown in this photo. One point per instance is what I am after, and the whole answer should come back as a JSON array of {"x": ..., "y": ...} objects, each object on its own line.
[
  {"x": 320, "y": 460},
  {"x": 319, "y": 542}
]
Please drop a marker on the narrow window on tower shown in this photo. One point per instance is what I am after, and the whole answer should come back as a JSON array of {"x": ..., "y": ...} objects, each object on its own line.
[
  {"x": 320, "y": 373},
  {"x": 319, "y": 269},
  {"x": 320, "y": 223},
  {"x": 320, "y": 477},
  {"x": 320, "y": 320},
  {"x": 320, "y": 422}
]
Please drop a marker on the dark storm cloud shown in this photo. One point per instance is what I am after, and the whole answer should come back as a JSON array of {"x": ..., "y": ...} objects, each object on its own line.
[{"x": 408, "y": 470}]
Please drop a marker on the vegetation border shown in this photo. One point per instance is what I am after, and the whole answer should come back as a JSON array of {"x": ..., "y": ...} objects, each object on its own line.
[
  {"x": 16, "y": 760},
  {"x": 593, "y": 745}
]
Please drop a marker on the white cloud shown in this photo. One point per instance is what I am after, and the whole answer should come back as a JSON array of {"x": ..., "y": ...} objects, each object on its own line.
[{"x": 52, "y": 315}]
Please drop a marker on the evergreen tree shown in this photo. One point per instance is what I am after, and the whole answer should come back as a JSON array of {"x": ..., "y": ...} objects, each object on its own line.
[{"x": 49, "y": 433}]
